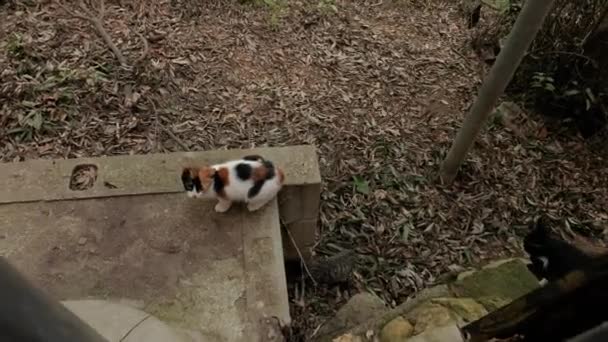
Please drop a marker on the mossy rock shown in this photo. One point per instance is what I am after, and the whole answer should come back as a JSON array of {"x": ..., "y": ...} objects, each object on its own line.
[
  {"x": 507, "y": 279},
  {"x": 466, "y": 308},
  {"x": 493, "y": 303}
]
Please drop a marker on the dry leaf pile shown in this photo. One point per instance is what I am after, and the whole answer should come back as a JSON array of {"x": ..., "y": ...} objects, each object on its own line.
[{"x": 380, "y": 87}]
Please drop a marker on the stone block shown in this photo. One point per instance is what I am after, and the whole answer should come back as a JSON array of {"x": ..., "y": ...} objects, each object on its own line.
[
  {"x": 508, "y": 280},
  {"x": 430, "y": 315},
  {"x": 397, "y": 330},
  {"x": 299, "y": 210},
  {"x": 300, "y": 202},
  {"x": 303, "y": 234},
  {"x": 358, "y": 310},
  {"x": 465, "y": 308},
  {"x": 447, "y": 333}
]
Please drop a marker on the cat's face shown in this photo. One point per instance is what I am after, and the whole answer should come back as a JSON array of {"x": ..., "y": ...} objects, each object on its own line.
[{"x": 197, "y": 181}]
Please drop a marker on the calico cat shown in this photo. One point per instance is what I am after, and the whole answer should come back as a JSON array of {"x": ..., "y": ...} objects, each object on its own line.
[{"x": 251, "y": 179}]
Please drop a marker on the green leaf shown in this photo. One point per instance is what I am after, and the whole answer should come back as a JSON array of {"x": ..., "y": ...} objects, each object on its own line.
[
  {"x": 36, "y": 121},
  {"x": 405, "y": 231},
  {"x": 572, "y": 92},
  {"x": 28, "y": 104},
  {"x": 590, "y": 95},
  {"x": 361, "y": 185}
]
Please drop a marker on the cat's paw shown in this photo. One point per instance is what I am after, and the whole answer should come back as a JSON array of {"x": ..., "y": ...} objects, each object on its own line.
[{"x": 222, "y": 207}]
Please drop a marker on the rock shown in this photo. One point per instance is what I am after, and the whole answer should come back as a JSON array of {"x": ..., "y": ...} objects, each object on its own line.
[
  {"x": 434, "y": 292},
  {"x": 396, "y": 330},
  {"x": 499, "y": 5},
  {"x": 466, "y": 308},
  {"x": 347, "y": 338},
  {"x": 447, "y": 333},
  {"x": 358, "y": 310},
  {"x": 82, "y": 241},
  {"x": 506, "y": 279},
  {"x": 493, "y": 303},
  {"x": 429, "y": 315}
]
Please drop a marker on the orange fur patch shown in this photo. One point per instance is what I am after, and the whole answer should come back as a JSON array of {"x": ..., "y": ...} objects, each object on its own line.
[
  {"x": 224, "y": 175},
  {"x": 205, "y": 175},
  {"x": 259, "y": 173}
]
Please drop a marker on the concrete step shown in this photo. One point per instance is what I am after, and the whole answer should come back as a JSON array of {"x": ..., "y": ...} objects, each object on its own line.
[{"x": 138, "y": 237}]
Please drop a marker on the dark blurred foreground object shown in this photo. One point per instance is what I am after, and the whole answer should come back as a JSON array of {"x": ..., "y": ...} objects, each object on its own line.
[
  {"x": 28, "y": 315},
  {"x": 597, "y": 334},
  {"x": 570, "y": 304}
]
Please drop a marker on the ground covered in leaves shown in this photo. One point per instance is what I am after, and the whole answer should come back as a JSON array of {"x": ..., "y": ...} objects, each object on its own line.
[{"x": 380, "y": 87}]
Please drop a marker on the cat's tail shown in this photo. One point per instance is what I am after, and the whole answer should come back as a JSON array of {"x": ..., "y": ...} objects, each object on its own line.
[{"x": 254, "y": 157}]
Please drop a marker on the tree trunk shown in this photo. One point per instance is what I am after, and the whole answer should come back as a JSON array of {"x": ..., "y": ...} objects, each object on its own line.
[{"x": 525, "y": 29}]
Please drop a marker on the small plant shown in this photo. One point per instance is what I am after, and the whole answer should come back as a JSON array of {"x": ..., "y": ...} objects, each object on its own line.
[
  {"x": 29, "y": 123},
  {"x": 15, "y": 47},
  {"x": 542, "y": 81},
  {"x": 327, "y": 6},
  {"x": 361, "y": 185}
]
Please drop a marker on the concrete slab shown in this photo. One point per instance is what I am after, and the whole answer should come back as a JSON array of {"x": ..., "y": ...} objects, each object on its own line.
[
  {"x": 215, "y": 274},
  {"x": 122, "y": 323},
  {"x": 49, "y": 180}
]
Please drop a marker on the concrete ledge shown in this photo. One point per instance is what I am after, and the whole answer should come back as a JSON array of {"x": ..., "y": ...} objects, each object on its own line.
[
  {"x": 48, "y": 180},
  {"x": 121, "y": 323}
]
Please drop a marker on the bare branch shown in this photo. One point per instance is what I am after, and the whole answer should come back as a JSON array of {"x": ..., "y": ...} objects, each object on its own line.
[
  {"x": 85, "y": 10},
  {"x": 97, "y": 22},
  {"x": 144, "y": 53},
  {"x": 106, "y": 37},
  {"x": 72, "y": 13}
]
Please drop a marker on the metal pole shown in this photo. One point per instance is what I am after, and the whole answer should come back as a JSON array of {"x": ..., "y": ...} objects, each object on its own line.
[
  {"x": 524, "y": 30},
  {"x": 27, "y": 314}
]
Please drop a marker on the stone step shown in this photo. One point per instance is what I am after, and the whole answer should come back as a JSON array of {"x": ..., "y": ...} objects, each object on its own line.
[{"x": 135, "y": 235}]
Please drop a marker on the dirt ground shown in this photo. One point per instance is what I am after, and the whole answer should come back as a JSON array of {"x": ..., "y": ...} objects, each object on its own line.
[{"x": 380, "y": 87}]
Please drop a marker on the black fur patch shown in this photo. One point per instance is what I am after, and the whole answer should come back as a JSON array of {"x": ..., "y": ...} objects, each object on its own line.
[
  {"x": 243, "y": 171},
  {"x": 255, "y": 189},
  {"x": 257, "y": 186},
  {"x": 191, "y": 183},
  {"x": 218, "y": 184},
  {"x": 187, "y": 180},
  {"x": 253, "y": 157},
  {"x": 270, "y": 167},
  {"x": 561, "y": 256}
]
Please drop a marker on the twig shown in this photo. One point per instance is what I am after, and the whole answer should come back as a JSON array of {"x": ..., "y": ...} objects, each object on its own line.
[
  {"x": 293, "y": 242},
  {"x": 144, "y": 53},
  {"x": 175, "y": 138},
  {"x": 97, "y": 22},
  {"x": 595, "y": 26}
]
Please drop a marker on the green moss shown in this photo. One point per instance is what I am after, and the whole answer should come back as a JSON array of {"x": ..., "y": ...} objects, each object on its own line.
[{"x": 508, "y": 280}]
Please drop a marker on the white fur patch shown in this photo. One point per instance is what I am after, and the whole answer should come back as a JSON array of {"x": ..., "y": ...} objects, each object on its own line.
[{"x": 545, "y": 262}]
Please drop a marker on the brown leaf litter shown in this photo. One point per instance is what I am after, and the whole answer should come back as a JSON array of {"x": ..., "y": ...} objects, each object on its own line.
[{"x": 380, "y": 87}]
